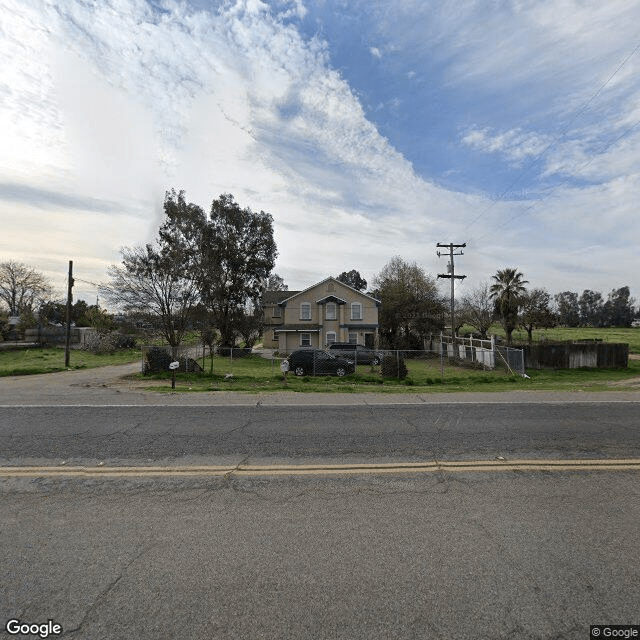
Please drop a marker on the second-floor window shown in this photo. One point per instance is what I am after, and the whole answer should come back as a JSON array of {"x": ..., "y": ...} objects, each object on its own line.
[
  {"x": 356, "y": 311},
  {"x": 277, "y": 312},
  {"x": 331, "y": 310},
  {"x": 305, "y": 311}
]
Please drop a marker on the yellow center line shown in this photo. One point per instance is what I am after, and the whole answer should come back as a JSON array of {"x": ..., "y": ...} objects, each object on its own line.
[{"x": 452, "y": 466}]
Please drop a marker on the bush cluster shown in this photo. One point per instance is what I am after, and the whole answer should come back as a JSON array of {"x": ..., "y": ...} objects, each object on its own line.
[
  {"x": 108, "y": 342},
  {"x": 158, "y": 359},
  {"x": 393, "y": 366}
]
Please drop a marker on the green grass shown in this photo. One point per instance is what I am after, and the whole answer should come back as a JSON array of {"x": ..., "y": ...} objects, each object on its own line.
[
  {"x": 630, "y": 335},
  {"x": 254, "y": 374},
  {"x": 20, "y": 362}
]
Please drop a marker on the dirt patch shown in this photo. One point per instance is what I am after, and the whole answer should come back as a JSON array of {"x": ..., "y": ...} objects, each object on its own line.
[{"x": 630, "y": 382}]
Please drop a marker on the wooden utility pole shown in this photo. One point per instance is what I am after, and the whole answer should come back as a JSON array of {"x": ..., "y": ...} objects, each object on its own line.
[
  {"x": 67, "y": 345},
  {"x": 452, "y": 276}
]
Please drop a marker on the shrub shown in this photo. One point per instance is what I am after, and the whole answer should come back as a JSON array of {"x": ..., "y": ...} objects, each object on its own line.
[
  {"x": 158, "y": 359},
  {"x": 96, "y": 342},
  {"x": 393, "y": 366}
]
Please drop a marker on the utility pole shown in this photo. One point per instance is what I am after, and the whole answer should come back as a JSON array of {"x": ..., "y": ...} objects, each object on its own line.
[
  {"x": 68, "y": 315},
  {"x": 451, "y": 275}
]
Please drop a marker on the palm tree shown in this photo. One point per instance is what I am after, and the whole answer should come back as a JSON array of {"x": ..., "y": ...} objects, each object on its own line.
[{"x": 506, "y": 293}]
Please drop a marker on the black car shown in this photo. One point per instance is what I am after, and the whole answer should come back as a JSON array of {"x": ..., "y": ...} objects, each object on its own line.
[
  {"x": 356, "y": 352},
  {"x": 315, "y": 362}
]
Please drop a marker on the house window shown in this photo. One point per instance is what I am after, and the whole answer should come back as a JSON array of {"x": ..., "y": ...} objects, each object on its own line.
[
  {"x": 277, "y": 312},
  {"x": 331, "y": 311},
  {"x": 353, "y": 338},
  {"x": 356, "y": 311},
  {"x": 305, "y": 339},
  {"x": 331, "y": 337},
  {"x": 305, "y": 311}
]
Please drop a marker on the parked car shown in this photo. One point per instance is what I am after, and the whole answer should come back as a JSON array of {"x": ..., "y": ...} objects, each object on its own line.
[
  {"x": 356, "y": 352},
  {"x": 310, "y": 362}
]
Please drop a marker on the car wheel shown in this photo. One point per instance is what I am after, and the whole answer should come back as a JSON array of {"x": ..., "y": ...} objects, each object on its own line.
[
  {"x": 376, "y": 360},
  {"x": 299, "y": 371},
  {"x": 341, "y": 371}
]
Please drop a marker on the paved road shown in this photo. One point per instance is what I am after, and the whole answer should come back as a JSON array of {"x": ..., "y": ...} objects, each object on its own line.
[
  {"x": 478, "y": 556},
  {"x": 471, "y": 557},
  {"x": 311, "y": 434}
]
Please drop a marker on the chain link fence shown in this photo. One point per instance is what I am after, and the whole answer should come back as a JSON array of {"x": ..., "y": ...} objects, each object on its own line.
[
  {"x": 157, "y": 359},
  {"x": 447, "y": 359}
]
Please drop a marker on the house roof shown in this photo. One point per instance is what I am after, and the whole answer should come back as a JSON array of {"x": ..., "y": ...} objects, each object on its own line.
[
  {"x": 275, "y": 297},
  {"x": 293, "y": 294}
]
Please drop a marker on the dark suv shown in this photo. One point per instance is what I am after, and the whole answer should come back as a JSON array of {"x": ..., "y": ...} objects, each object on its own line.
[
  {"x": 356, "y": 352},
  {"x": 315, "y": 362}
]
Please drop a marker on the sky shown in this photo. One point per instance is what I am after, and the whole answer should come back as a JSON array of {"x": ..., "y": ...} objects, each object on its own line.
[{"x": 368, "y": 128}]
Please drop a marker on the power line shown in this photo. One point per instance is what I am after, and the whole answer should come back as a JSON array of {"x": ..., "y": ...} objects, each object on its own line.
[
  {"x": 566, "y": 128},
  {"x": 568, "y": 178}
]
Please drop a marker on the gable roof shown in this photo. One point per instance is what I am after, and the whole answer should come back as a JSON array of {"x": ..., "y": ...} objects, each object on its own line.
[
  {"x": 275, "y": 297},
  {"x": 297, "y": 293}
]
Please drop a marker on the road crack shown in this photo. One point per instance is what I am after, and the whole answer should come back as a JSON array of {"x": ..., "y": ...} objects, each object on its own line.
[{"x": 105, "y": 592}]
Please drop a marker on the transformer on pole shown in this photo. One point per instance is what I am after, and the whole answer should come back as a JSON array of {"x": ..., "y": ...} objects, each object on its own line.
[{"x": 452, "y": 276}]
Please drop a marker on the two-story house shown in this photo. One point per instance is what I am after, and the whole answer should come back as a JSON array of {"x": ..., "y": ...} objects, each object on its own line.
[{"x": 329, "y": 311}]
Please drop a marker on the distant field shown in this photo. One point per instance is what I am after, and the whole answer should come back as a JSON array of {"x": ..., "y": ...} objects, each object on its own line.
[{"x": 631, "y": 336}]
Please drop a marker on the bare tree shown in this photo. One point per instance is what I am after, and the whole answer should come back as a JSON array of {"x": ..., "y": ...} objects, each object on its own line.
[
  {"x": 153, "y": 283},
  {"x": 478, "y": 309},
  {"x": 535, "y": 311},
  {"x": 22, "y": 288}
]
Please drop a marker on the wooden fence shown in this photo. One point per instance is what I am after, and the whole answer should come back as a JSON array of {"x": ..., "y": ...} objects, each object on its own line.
[{"x": 595, "y": 355}]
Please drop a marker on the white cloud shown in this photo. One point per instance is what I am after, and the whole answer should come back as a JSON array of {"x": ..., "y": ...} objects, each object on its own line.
[
  {"x": 516, "y": 144},
  {"x": 105, "y": 105}
]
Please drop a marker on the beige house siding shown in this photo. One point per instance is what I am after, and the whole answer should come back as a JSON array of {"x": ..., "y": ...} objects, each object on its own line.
[{"x": 304, "y": 320}]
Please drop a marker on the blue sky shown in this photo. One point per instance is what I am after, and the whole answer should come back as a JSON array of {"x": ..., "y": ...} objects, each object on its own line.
[{"x": 368, "y": 129}]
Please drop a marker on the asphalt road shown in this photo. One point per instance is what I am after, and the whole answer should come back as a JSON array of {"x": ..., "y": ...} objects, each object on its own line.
[
  {"x": 475, "y": 556},
  {"x": 213, "y": 435},
  {"x": 481, "y": 556}
]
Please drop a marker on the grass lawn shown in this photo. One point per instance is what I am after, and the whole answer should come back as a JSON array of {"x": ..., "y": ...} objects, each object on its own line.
[
  {"x": 255, "y": 374},
  {"x": 21, "y": 362},
  {"x": 630, "y": 335}
]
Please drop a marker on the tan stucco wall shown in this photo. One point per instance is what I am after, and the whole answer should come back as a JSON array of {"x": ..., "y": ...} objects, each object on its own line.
[{"x": 291, "y": 315}]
